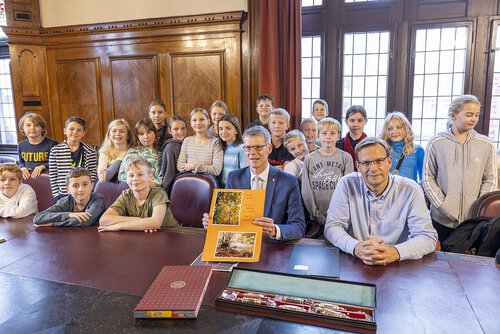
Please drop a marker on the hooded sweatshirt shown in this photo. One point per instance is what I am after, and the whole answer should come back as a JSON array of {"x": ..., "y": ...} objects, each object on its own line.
[{"x": 455, "y": 175}]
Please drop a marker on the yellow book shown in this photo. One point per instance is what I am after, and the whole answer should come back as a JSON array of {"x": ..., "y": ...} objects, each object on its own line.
[{"x": 231, "y": 236}]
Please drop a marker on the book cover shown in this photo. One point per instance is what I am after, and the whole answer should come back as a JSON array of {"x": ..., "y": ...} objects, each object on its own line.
[
  {"x": 231, "y": 236},
  {"x": 314, "y": 261},
  {"x": 176, "y": 292}
]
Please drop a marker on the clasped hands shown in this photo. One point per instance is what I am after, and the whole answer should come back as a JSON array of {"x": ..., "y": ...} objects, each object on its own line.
[
  {"x": 267, "y": 224},
  {"x": 375, "y": 252}
]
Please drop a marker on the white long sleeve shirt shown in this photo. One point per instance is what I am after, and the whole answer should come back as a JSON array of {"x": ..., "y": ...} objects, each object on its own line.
[{"x": 22, "y": 204}]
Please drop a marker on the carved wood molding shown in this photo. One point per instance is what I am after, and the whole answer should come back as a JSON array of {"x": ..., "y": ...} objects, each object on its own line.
[{"x": 166, "y": 26}]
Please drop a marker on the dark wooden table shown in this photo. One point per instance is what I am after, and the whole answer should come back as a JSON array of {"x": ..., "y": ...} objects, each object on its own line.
[{"x": 78, "y": 280}]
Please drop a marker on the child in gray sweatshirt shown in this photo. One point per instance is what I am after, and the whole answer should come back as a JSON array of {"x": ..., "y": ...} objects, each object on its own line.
[
  {"x": 322, "y": 170},
  {"x": 459, "y": 166}
]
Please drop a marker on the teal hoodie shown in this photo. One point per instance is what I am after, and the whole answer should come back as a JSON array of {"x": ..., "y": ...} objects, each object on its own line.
[{"x": 455, "y": 175}]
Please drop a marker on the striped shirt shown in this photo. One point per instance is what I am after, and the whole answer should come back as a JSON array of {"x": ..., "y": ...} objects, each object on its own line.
[
  {"x": 60, "y": 163},
  {"x": 208, "y": 157}
]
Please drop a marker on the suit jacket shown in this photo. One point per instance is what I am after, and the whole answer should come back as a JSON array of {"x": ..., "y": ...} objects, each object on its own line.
[{"x": 283, "y": 202}]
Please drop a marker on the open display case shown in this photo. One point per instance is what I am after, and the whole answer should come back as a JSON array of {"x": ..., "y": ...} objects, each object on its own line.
[{"x": 316, "y": 301}]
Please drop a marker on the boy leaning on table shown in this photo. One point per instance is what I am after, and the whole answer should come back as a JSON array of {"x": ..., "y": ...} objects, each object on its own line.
[
  {"x": 17, "y": 200},
  {"x": 81, "y": 207},
  {"x": 140, "y": 208}
]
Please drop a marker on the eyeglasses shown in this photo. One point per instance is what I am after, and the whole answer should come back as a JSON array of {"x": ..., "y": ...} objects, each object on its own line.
[
  {"x": 376, "y": 162},
  {"x": 257, "y": 148}
]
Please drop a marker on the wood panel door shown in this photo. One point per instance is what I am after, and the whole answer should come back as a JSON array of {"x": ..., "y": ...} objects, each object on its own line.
[
  {"x": 135, "y": 84},
  {"x": 197, "y": 81},
  {"x": 77, "y": 84}
]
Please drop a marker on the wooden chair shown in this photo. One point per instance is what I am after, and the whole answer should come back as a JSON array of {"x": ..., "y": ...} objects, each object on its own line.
[{"x": 190, "y": 196}]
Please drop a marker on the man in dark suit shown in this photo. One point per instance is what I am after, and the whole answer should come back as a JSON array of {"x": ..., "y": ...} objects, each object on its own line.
[{"x": 283, "y": 213}]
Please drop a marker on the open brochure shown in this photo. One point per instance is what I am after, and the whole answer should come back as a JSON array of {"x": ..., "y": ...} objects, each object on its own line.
[{"x": 231, "y": 236}]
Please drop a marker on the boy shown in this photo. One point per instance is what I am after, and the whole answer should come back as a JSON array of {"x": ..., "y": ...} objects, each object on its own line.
[
  {"x": 320, "y": 109},
  {"x": 295, "y": 143},
  {"x": 34, "y": 151},
  {"x": 17, "y": 200},
  {"x": 81, "y": 207},
  {"x": 70, "y": 154},
  {"x": 279, "y": 121},
  {"x": 265, "y": 104},
  {"x": 157, "y": 114},
  {"x": 322, "y": 170},
  {"x": 140, "y": 208},
  {"x": 309, "y": 127},
  {"x": 355, "y": 118}
]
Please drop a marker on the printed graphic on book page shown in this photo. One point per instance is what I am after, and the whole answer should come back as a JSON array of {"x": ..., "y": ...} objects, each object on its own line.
[{"x": 231, "y": 236}]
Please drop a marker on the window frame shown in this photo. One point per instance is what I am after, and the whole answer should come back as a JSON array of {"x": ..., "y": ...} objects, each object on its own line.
[
  {"x": 391, "y": 65},
  {"x": 471, "y": 25},
  {"x": 490, "y": 73},
  {"x": 4, "y": 54},
  {"x": 322, "y": 63}
]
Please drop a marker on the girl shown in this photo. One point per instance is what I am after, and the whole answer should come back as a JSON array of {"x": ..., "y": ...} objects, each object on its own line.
[
  {"x": 407, "y": 158},
  {"x": 201, "y": 152},
  {"x": 177, "y": 127},
  {"x": 459, "y": 166},
  {"x": 146, "y": 133},
  {"x": 34, "y": 151},
  {"x": 231, "y": 142},
  {"x": 217, "y": 110},
  {"x": 157, "y": 114},
  {"x": 119, "y": 139}
]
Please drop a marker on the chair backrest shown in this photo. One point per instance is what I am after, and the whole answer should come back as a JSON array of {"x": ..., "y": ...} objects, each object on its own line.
[
  {"x": 487, "y": 205},
  {"x": 41, "y": 185},
  {"x": 190, "y": 196},
  {"x": 110, "y": 191},
  {"x": 6, "y": 158}
]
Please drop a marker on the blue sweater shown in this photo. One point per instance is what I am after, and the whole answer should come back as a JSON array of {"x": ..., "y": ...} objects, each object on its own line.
[
  {"x": 412, "y": 164},
  {"x": 234, "y": 158}
]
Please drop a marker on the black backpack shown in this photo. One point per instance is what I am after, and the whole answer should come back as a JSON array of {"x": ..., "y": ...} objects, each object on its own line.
[{"x": 477, "y": 236}]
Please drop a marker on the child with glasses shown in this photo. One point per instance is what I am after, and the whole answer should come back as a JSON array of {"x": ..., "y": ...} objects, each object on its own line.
[{"x": 322, "y": 170}]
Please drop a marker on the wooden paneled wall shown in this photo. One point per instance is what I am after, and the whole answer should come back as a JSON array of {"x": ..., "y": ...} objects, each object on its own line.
[{"x": 107, "y": 71}]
